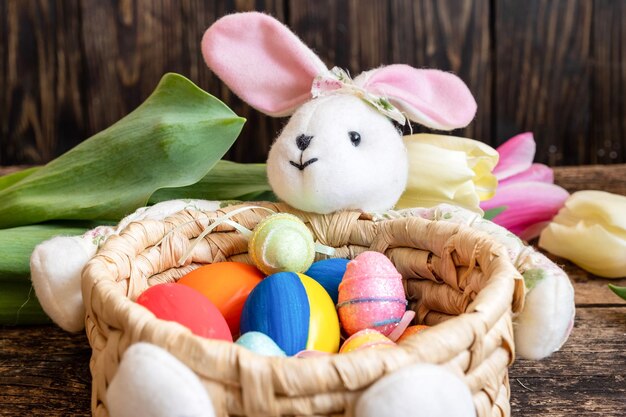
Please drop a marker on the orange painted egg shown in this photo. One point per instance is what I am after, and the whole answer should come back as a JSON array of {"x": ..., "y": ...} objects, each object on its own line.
[
  {"x": 411, "y": 330},
  {"x": 366, "y": 339},
  {"x": 227, "y": 285}
]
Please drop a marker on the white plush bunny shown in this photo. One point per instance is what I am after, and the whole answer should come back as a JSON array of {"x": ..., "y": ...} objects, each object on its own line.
[
  {"x": 337, "y": 153},
  {"x": 340, "y": 149}
]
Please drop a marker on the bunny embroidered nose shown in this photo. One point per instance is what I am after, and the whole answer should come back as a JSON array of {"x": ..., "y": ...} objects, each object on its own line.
[
  {"x": 303, "y": 141},
  {"x": 301, "y": 165}
]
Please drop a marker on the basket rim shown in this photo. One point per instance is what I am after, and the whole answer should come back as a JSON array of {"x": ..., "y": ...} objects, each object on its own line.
[{"x": 101, "y": 291}]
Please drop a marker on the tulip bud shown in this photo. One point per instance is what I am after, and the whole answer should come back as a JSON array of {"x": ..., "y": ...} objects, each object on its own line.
[
  {"x": 590, "y": 230},
  {"x": 448, "y": 169}
]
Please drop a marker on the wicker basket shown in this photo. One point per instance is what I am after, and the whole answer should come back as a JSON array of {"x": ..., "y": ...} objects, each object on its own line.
[{"x": 454, "y": 277}]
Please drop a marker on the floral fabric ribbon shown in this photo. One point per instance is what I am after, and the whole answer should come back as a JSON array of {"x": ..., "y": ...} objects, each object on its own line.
[{"x": 338, "y": 81}]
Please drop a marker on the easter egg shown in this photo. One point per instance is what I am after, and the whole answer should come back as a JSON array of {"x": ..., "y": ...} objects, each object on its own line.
[
  {"x": 311, "y": 354},
  {"x": 260, "y": 343},
  {"x": 282, "y": 242},
  {"x": 371, "y": 295},
  {"x": 184, "y": 305},
  {"x": 226, "y": 285},
  {"x": 366, "y": 339},
  {"x": 328, "y": 274},
  {"x": 294, "y": 311},
  {"x": 411, "y": 330}
]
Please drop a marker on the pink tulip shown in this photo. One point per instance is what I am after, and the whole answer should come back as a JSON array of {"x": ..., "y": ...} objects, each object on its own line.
[{"x": 527, "y": 190}]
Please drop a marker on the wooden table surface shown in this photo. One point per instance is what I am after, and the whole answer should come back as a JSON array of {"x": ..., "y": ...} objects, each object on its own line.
[{"x": 44, "y": 371}]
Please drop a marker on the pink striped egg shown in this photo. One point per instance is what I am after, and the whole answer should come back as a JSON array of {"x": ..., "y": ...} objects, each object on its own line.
[{"x": 371, "y": 295}]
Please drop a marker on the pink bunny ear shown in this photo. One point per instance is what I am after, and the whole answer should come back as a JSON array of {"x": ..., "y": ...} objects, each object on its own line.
[
  {"x": 436, "y": 99},
  {"x": 262, "y": 61}
]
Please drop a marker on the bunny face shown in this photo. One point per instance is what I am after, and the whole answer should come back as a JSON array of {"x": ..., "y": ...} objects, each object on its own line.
[{"x": 335, "y": 153}]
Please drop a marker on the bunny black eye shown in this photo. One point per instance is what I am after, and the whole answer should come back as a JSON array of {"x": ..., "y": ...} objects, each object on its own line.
[{"x": 355, "y": 138}]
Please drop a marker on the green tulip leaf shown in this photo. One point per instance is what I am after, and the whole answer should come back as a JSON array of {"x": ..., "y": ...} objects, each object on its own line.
[
  {"x": 171, "y": 140},
  {"x": 226, "y": 181},
  {"x": 619, "y": 291},
  {"x": 19, "y": 305},
  {"x": 8, "y": 180},
  {"x": 492, "y": 213},
  {"x": 17, "y": 244}
]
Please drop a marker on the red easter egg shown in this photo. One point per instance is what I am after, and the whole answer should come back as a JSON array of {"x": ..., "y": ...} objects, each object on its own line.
[
  {"x": 227, "y": 285},
  {"x": 184, "y": 305},
  {"x": 371, "y": 295}
]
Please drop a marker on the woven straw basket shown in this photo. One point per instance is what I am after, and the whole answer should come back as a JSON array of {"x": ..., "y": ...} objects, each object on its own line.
[{"x": 454, "y": 277}]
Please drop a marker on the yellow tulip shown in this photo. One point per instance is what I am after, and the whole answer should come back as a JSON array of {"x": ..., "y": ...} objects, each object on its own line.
[
  {"x": 590, "y": 230},
  {"x": 448, "y": 169}
]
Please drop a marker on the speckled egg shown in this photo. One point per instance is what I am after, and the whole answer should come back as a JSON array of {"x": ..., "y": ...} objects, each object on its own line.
[
  {"x": 371, "y": 295},
  {"x": 280, "y": 243}
]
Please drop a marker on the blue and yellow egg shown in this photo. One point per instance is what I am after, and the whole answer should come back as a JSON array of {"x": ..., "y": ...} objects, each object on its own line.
[
  {"x": 294, "y": 311},
  {"x": 328, "y": 273}
]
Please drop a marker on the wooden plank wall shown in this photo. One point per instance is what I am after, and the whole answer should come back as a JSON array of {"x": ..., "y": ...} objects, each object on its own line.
[{"x": 69, "y": 68}]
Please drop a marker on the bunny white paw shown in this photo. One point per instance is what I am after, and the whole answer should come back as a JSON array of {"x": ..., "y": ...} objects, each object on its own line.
[
  {"x": 150, "y": 382},
  {"x": 548, "y": 316},
  {"x": 421, "y": 390},
  {"x": 55, "y": 268}
]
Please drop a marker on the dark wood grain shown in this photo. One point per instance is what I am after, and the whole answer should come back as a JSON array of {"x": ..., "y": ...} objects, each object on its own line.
[
  {"x": 542, "y": 76},
  {"x": 43, "y": 110},
  {"x": 608, "y": 117},
  {"x": 556, "y": 67},
  {"x": 452, "y": 35},
  {"x": 585, "y": 378},
  {"x": 146, "y": 39},
  {"x": 44, "y": 371},
  {"x": 4, "y": 128},
  {"x": 610, "y": 178},
  {"x": 592, "y": 290}
]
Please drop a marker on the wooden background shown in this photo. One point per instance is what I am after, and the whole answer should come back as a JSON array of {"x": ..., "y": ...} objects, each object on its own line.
[{"x": 69, "y": 68}]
